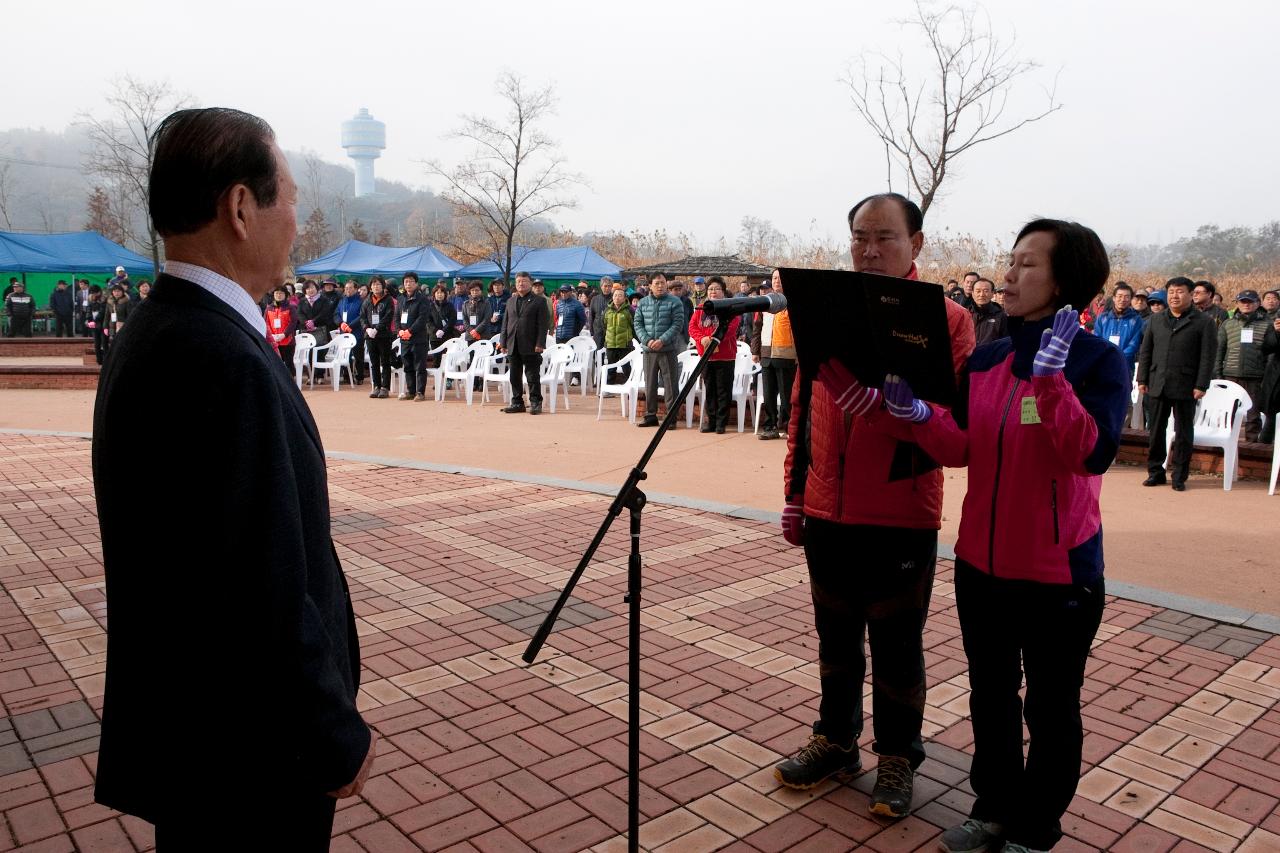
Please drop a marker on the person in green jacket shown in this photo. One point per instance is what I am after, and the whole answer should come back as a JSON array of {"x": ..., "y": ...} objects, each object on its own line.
[
  {"x": 1240, "y": 357},
  {"x": 615, "y": 320}
]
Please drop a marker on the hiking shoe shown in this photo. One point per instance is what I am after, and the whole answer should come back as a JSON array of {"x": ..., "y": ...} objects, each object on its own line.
[
  {"x": 891, "y": 796},
  {"x": 375, "y": 393},
  {"x": 420, "y": 398},
  {"x": 1022, "y": 848},
  {"x": 535, "y": 409},
  {"x": 514, "y": 408},
  {"x": 383, "y": 393},
  {"x": 816, "y": 762},
  {"x": 649, "y": 421},
  {"x": 972, "y": 836},
  {"x": 767, "y": 435}
]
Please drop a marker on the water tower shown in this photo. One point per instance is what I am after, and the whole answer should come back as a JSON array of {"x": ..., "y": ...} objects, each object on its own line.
[{"x": 364, "y": 137}]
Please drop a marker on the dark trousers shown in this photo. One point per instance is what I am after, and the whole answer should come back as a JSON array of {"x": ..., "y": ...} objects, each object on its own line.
[
  {"x": 1253, "y": 421},
  {"x": 718, "y": 382},
  {"x": 415, "y": 379},
  {"x": 779, "y": 374},
  {"x": 872, "y": 581},
  {"x": 380, "y": 359},
  {"x": 274, "y": 821},
  {"x": 19, "y": 327},
  {"x": 662, "y": 361},
  {"x": 525, "y": 368},
  {"x": 286, "y": 354},
  {"x": 614, "y": 356},
  {"x": 1184, "y": 413},
  {"x": 61, "y": 326},
  {"x": 99, "y": 343},
  {"x": 1008, "y": 627}
]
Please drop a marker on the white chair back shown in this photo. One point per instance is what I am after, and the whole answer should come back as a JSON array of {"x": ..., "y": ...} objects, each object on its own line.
[{"x": 1220, "y": 414}]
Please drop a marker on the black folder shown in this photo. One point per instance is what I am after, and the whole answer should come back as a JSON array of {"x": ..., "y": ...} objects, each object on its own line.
[{"x": 875, "y": 325}]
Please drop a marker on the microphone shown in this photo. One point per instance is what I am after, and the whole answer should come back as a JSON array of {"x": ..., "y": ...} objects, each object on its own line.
[{"x": 770, "y": 303}]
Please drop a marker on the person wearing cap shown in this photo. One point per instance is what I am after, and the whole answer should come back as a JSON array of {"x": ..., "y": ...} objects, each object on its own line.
[
  {"x": 1240, "y": 357},
  {"x": 540, "y": 290},
  {"x": 1157, "y": 302},
  {"x": 699, "y": 290},
  {"x": 677, "y": 290},
  {"x": 1140, "y": 305},
  {"x": 498, "y": 297},
  {"x": 121, "y": 278},
  {"x": 63, "y": 308},
  {"x": 20, "y": 306},
  {"x": 596, "y": 307},
  {"x": 570, "y": 315}
]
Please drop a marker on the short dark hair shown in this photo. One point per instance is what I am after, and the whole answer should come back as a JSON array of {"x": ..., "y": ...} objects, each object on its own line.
[
  {"x": 413, "y": 276},
  {"x": 93, "y": 288},
  {"x": 1207, "y": 285},
  {"x": 1078, "y": 259},
  {"x": 199, "y": 155},
  {"x": 659, "y": 275},
  {"x": 987, "y": 280},
  {"x": 974, "y": 274},
  {"x": 715, "y": 279},
  {"x": 911, "y": 210},
  {"x": 523, "y": 274},
  {"x": 1120, "y": 285},
  {"x": 1180, "y": 281}
]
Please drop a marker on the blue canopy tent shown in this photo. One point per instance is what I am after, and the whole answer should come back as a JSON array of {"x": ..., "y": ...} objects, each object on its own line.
[
  {"x": 41, "y": 259},
  {"x": 575, "y": 263},
  {"x": 356, "y": 258}
]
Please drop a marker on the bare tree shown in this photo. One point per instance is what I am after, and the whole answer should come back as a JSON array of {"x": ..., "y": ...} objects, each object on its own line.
[
  {"x": 6, "y": 187},
  {"x": 515, "y": 172},
  {"x": 958, "y": 105},
  {"x": 314, "y": 166},
  {"x": 123, "y": 141}
]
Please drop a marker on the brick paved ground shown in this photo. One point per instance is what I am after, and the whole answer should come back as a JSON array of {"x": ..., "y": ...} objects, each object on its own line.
[{"x": 480, "y": 753}]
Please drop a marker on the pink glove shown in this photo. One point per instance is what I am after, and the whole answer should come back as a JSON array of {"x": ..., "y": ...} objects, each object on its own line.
[
  {"x": 91, "y": 324},
  {"x": 793, "y": 524},
  {"x": 311, "y": 325},
  {"x": 849, "y": 394}
]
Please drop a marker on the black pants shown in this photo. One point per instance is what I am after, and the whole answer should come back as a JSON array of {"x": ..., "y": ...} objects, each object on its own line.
[
  {"x": 19, "y": 327},
  {"x": 61, "y": 326},
  {"x": 380, "y": 359},
  {"x": 778, "y": 373},
  {"x": 614, "y": 356},
  {"x": 1008, "y": 627},
  {"x": 718, "y": 381},
  {"x": 872, "y": 581},
  {"x": 99, "y": 343},
  {"x": 302, "y": 823},
  {"x": 286, "y": 354},
  {"x": 414, "y": 378},
  {"x": 1184, "y": 413},
  {"x": 525, "y": 368},
  {"x": 1252, "y": 427}
]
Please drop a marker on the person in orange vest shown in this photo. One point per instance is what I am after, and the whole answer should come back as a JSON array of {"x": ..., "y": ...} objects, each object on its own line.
[
  {"x": 773, "y": 347},
  {"x": 282, "y": 324}
]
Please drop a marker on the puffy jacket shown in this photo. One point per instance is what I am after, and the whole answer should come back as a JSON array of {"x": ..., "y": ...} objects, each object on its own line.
[
  {"x": 659, "y": 319},
  {"x": 1237, "y": 359},
  {"x": 867, "y": 469},
  {"x": 570, "y": 318},
  {"x": 349, "y": 305},
  {"x": 20, "y": 306},
  {"x": 1124, "y": 331},
  {"x": 990, "y": 323},
  {"x": 1036, "y": 448},
  {"x": 699, "y": 333},
  {"x": 618, "y": 329}
]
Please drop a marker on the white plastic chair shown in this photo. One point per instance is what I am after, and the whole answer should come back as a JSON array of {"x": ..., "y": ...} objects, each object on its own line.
[
  {"x": 479, "y": 354},
  {"x": 745, "y": 372},
  {"x": 337, "y": 357},
  {"x": 303, "y": 344},
  {"x": 628, "y": 389},
  {"x": 1275, "y": 467},
  {"x": 552, "y": 374},
  {"x": 454, "y": 359},
  {"x": 583, "y": 347},
  {"x": 397, "y": 373},
  {"x": 1219, "y": 416},
  {"x": 497, "y": 372},
  {"x": 688, "y": 360}
]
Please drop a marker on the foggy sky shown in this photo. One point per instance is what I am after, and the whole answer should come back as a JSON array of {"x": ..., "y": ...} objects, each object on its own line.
[{"x": 688, "y": 116}]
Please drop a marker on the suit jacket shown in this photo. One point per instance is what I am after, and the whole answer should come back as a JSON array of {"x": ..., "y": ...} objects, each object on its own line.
[
  {"x": 232, "y": 657},
  {"x": 1177, "y": 355},
  {"x": 525, "y": 324}
]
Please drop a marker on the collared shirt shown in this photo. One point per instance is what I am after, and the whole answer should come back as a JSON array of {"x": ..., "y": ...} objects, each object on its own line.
[{"x": 223, "y": 288}]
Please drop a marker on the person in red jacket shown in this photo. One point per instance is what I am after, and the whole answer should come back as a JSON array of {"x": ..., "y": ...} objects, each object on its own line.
[
  {"x": 1037, "y": 423},
  {"x": 718, "y": 378},
  {"x": 866, "y": 503},
  {"x": 282, "y": 324}
]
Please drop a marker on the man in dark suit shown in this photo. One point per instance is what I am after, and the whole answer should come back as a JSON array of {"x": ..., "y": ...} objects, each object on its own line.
[
  {"x": 1175, "y": 364},
  {"x": 524, "y": 335},
  {"x": 232, "y": 661}
]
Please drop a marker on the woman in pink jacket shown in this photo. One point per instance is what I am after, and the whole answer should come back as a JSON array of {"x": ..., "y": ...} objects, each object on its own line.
[{"x": 1037, "y": 423}]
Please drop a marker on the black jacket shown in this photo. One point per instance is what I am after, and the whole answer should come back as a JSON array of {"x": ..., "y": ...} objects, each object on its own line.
[
  {"x": 232, "y": 655},
  {"x": 386, "y": 310},
  {"x": 414, "y": 313},
  {"x": 61, "y": 302},
  {"x": 1270, "y": 403},
  {"x": 1177, "y": 354},
  {"x": 525, "y": 324},
  {"x": 990, "y": 323}
]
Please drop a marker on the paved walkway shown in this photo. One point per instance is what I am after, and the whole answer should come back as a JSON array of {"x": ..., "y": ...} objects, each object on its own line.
[{"x": 481, "y": 753}]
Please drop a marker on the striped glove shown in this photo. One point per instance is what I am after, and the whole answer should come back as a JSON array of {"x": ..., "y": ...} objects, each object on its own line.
[
  {"x": 849, "y": 394},
  {"x": 1055, "y": 343},
  {"x": 793, "y": 523},
  {"x": 902, "y": 403}
]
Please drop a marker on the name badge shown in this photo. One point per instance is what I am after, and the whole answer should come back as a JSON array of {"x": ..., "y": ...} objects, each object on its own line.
[
  {"x": 373, "y": 318},
  {"x": 344, "y": 316},
  {"x": 1246, "y": 336},
  {"x": 404, "y": 318},
  {"x": 474, "y": 320},
  {"x": 459, "y": 316},
  {"x": 1030, "y": 415},
  {"x": 1115, "y": 339},
  {"x": 113, "y": 316},
  {"x": 275, "y": 323}
]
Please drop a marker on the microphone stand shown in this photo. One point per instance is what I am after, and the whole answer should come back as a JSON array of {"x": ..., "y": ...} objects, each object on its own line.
[{"x": 630, "y": 497}]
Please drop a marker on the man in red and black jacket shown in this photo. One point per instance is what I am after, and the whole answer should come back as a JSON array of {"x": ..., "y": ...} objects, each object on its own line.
[{"x": 866, "y": 503}]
